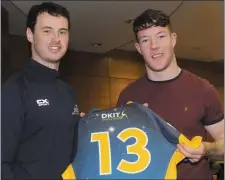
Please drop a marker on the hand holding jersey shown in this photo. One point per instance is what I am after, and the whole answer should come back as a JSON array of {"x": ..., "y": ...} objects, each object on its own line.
[
  {"x": 193, "y": 154},
  {"x": 127, "y": 142},
  {"x": 82, "y": 114}
]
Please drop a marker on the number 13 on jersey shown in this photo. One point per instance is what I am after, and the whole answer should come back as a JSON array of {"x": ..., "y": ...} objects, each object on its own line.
[{"x": 138, "y": 148}]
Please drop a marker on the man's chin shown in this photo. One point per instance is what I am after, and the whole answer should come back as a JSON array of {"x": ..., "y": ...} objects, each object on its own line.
[
  {"x": 55, "y": 59},
  {"x": 157, "y": 69}
]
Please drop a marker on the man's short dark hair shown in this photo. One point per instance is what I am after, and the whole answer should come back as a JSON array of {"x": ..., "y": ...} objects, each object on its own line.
[
  {"x": 48, "y": 7},
  {"x": 149, "y": 18}
]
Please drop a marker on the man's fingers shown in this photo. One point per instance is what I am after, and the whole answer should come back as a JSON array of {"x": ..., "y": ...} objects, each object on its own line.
[
  {"x": 82, "y": 114},
  {"x": 194, "y": 151},
  {"x": 194, "y": 160},
  {"x": 145, "y": 104},
  {"x": 190, "y": 154},
  {"x": 183, "y": 151}
]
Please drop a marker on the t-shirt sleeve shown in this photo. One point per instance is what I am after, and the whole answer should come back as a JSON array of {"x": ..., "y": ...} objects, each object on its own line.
[
  {"x": 214, "y": 111},
  {"x": 123, "y": 98}
]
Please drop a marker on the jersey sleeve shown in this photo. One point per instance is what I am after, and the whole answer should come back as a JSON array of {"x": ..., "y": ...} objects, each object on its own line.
[
  {"x": 213, "y": 108},
  {"x": 69, "y": 173},
  {"x": 12, "y": 122}
]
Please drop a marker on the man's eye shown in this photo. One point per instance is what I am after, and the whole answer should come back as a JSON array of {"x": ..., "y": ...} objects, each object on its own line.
[
  {"x": 145, "y": 40},
  {"x": 63, "y": 32},
  {"x": 161, "y": 36}
]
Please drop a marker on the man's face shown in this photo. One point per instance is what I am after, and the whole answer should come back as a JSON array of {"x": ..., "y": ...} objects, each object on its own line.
[
  {"x": 50, "y": 38},
  {"x": 156, "y": 45}
]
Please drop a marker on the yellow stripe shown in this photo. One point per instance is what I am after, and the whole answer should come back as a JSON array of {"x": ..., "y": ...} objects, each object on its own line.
[
  {"x": 69, "y": 173},
  {"x": 129, "y": 102},
  {"x": 194, "y": 143},
  {"x": 178, "y": 156},
  {"x": 219, "y": 162}
]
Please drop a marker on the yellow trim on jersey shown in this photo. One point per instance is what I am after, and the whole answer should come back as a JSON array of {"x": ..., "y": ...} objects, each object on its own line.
[
  {"x": 219, "y": 162},
  {"x": 129, "y": 102},
  {"x": 69, "y": 173},
  {"x": 178, "y": 156}
]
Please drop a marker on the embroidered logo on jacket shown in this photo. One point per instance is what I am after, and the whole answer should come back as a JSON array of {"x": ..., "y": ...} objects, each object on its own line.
[
  {"x": 75, "y": 110},
  {"x": 42, "y": 102}
]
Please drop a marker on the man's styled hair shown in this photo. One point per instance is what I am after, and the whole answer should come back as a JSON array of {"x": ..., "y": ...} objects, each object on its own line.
[
  {"x": 48, "y": 7},
  {"x": 149, "y": 18}
]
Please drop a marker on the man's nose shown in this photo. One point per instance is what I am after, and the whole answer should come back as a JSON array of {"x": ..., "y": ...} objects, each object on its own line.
[
  {"x": 55, "y": 37},
  {"x": 154, "y": 45}
]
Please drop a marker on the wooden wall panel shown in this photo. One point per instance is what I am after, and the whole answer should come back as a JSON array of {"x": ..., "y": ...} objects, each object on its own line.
[
  {"x": 116, "y": 86},
  {"x": 125, "y": 65},
  {"x": 81, "y": 87},
  {"x": 99, "y": 93},
  {"x": 220, "y": 91},
  {"x": 91, "y": 92},
  {"x": 85, "y": 65},
  {"x": 212, "y": 71}
]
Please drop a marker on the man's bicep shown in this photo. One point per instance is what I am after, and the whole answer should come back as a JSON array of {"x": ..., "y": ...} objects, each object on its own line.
[
  {"x": 216, "y": 130},
  {"x": 214, "y": 111}
]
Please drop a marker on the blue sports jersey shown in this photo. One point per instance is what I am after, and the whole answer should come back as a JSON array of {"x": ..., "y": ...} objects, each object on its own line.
[{"x": 127, "y": 142}]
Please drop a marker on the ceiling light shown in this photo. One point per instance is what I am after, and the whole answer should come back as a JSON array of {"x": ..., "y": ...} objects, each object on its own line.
[{"x": 96, "y": 44}]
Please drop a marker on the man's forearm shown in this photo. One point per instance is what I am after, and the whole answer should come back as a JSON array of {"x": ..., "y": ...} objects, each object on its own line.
[{"x": 214, "y": 149}]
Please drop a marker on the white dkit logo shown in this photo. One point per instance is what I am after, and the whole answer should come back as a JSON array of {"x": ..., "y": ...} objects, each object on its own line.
[
  {"x": 42, "y": 102},
  {"x": 114, "y": 116}
]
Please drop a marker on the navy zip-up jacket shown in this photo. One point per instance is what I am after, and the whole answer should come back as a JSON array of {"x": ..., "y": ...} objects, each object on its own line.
[{"x": 39, "y": 121}]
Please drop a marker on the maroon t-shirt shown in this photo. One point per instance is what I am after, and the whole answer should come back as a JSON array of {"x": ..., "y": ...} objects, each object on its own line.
[{"x": 187, "y": 102}]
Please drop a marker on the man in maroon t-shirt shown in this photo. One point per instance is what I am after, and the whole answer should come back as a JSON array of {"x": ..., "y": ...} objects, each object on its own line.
[{"x": 186, "y": 101}]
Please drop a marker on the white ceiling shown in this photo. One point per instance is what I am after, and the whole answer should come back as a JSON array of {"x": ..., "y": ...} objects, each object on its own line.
[{"x": 199, "y": 25}]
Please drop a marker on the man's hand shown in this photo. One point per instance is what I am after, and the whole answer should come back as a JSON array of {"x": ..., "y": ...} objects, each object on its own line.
[
  {"x": 193, "y": 154},
  {"x": 145, "y": 104},
  {"x": 82, "y": 114}
]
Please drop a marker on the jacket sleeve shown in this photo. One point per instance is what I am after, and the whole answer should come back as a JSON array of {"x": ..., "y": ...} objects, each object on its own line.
[{"x": 12, "y": 122}]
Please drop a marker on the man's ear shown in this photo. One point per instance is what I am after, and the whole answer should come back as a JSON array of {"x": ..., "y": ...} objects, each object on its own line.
[
  {"x": 174, "y": 39},
  {"x": 138, "y": 47},
  {"x": 30, "y": 35}
]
